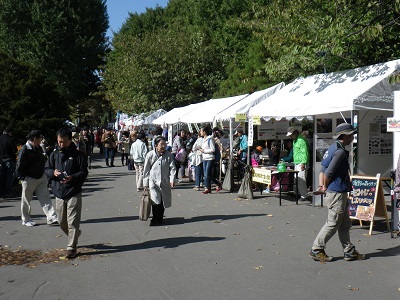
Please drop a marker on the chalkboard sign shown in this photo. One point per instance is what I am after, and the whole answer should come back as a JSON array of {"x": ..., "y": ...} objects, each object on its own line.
[
  {"x": 367, "y": 200},
  {"x": 364, "y": 191}
]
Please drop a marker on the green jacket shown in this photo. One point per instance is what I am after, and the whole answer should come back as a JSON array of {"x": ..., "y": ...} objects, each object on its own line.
[{"x": 301, "y": 154}]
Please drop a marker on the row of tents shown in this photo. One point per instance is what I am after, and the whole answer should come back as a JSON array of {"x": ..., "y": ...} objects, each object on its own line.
[{"x": 360, "y": 88}]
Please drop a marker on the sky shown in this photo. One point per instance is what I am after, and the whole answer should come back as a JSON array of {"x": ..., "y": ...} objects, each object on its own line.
[{"x": 118, "y": 11}]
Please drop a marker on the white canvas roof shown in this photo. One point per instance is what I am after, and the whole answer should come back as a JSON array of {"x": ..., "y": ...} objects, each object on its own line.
[
  {"x": 150, "y": 118},
  {"x": 174, "y": 114},
  {"x": 207, "y": 110},
  {"x": 360, "y": 88},
  {"x": 246, "y": 103}
]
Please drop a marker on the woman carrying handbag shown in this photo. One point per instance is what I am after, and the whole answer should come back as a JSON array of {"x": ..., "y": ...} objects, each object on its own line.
[{"x": 158, "y": 178}]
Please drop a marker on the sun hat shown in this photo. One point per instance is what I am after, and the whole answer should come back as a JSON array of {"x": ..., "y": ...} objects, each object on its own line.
[
  {"x": 344, "y": 128},
  {"x": 290, "y": 130}
]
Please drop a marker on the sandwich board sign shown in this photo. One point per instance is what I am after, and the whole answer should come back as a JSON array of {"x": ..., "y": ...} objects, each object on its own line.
[{"x": 367, "y": 200}]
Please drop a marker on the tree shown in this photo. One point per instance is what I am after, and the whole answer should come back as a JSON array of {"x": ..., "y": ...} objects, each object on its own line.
[
  {"x": 28, "y": 101},
  {"x": 64, "y": 39}
]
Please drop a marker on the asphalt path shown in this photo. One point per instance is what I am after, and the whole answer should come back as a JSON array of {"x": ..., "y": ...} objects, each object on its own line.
[{"x": 211, "y": 247}]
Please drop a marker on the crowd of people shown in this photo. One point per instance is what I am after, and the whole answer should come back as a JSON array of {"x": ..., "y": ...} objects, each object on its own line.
[{"x": 159, "y": 167}]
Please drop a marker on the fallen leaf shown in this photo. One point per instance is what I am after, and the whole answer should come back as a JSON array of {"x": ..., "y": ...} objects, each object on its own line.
[
  {"x": 354, "y": 289},
  {"x": 258, "y": 268}
]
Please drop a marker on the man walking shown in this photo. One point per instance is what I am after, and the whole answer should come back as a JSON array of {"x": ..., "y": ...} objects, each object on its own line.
[
  {"x": 138, "y": 152},
  {"x": 67, "y": 169},
  {"x": 30, "y": 170},
  {"x": 301, "y": 157},
  {"x": 8, "y": 156},
  {"x": 336, "y": 183}
]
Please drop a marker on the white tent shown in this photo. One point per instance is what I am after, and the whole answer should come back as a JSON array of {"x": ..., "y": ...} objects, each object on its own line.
[
  {"x": 361, "y": 88},
  {"x": 246, "y": 103},
  {"x": 207, "y": 110},
  {"x": 153, "y": 116},
  {"x": 174, "y": 115}
]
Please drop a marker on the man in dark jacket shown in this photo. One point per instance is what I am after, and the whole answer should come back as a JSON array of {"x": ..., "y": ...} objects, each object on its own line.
[
  {"x": 67, "y": 169},
  {"x": 30, "y": 170},
  {"x": 8, "y": 156},
  {"x": 335, "y": 181}
]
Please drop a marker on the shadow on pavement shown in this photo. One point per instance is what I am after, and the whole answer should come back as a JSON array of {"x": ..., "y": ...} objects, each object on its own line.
[
  {"x": 394, "y": 251},
  {"x": 99, "y": 249},
  {"x": 215, "y": 218},
  {"x": 110, "y": 220}
]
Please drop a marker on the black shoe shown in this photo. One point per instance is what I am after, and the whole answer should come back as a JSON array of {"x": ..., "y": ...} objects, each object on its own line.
[
  {"x": 112, "y": 166},
  {"x": 71, "y": 253}
]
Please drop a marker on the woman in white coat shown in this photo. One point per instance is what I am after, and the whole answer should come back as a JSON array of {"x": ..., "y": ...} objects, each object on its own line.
[{"x": 158, "y": 177}]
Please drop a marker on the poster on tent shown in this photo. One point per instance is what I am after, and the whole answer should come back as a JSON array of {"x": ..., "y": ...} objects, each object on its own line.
[
  {"x": 379, "y": 142},
  {"x": 266, "y": 131},
  {"x": 281, "y": 128}
]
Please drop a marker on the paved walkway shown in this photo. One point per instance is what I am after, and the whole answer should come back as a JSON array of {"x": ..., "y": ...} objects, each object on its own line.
[{"x": 211, "y": 247}]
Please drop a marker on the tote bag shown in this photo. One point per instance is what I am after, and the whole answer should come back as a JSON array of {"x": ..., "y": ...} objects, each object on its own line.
[
  {"x": 181, "y": 155},
  {"x": 145, "y": 206}
]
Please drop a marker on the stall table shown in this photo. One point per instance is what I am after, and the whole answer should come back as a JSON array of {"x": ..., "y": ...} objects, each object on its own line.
[{"x": 281, "y": 184}]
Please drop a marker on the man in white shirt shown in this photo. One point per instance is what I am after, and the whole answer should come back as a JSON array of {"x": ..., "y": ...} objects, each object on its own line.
[{"x": 138, "y": 152}]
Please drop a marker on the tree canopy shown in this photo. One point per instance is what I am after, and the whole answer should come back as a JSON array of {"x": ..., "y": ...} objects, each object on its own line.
[
  {"x": 194, "y": 50},
  {"x": 63, "y": 40}
]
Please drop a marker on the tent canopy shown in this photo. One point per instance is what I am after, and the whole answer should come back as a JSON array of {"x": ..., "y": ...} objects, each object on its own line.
[
  {"x": 173, "y": 115},
  {"x": 150, "y": 118},
  {"x": 360, "y": 88},
  {"x": 207, "y": 110},
  {"x": 246, "y": 103}
]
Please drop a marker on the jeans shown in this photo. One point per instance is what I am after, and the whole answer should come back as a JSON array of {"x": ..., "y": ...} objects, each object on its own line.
[
  {"x": 199, "y": 174},
  {"x": 109, "y": 153},
  {"x": 208, "y": 178},
  {"x": 7, "y": 177}
]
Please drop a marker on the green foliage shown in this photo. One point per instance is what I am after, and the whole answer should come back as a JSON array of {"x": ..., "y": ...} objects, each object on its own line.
[
  {"x": 195, "y": 50},
  {"x": 64, "y": 39},
  {"x": 27, "y": 101}
]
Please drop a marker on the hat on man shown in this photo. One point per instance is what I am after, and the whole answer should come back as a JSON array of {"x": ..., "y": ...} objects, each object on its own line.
[
  {"x": 290, "y": 130},
  {"x": 259, "y": 148},
  {"x": 344, "y": 128}
]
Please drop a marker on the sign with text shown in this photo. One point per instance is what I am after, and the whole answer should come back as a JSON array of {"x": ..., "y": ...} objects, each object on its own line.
[
  {"x": 261, "y": 175},
  {"x": 240, "y": 117},
  {"x": 367, "y": 200},
  {"x": 256, "y": 120}
]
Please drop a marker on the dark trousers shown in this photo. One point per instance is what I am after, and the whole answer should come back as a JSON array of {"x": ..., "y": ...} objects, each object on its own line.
[{"x": 158, "y": 213}]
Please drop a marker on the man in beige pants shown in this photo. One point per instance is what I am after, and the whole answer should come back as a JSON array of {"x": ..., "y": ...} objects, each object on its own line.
[{"x": 30, "y": 170}]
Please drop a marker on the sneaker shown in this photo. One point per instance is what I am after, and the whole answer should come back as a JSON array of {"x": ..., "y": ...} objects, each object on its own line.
[
  {"x": 353, "y": 255},
  {"x": 196, "y": 188},
  {"x": 320, "y": 255},
  {"x": 266, "y": 191},
  {"x": 52, "y": 221},
  {"x": 71, "y": 253},
  {"x": 28, "y": 223},
  {"x": 218, "y": 188},
  {"x": 207, "y": 191},
  {"x": 180, "y": 180}
]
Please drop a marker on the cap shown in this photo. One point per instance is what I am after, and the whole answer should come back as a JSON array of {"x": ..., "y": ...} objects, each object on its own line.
[
  {"x": 344, "y": 128},
  {"x": 259, "y": 148},
  {"x": 290, "y": 130}
]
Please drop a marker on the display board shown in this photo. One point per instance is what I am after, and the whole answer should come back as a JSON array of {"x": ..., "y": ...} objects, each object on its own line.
[
  {"x": 262, "y": 175},
  {"x": 366, "y": 200}
]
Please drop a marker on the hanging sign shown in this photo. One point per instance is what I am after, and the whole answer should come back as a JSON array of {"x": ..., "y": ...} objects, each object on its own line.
[
  {"x": 240, "y": 117},
  {"x": 262, "y": 175},
  {"x": 256, "y": 120},
  {"x": 250, "y": 137}
]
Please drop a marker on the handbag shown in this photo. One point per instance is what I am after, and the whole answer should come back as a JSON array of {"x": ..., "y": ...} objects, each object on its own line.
[
  {"x": 145, "y": 206},
  {"x": 181, "y": 155}
]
